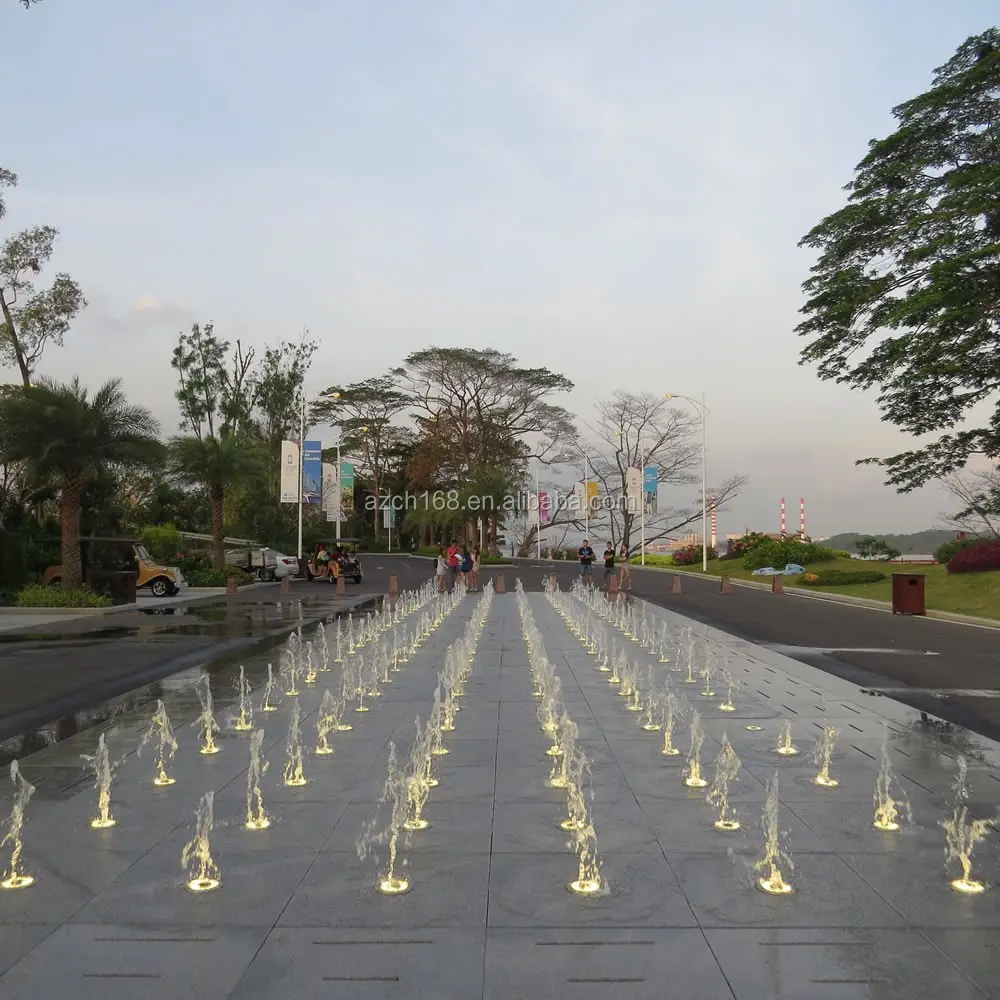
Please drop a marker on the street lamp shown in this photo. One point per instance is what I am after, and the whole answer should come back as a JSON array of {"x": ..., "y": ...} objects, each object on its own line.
[
  {"x": 703, "y": 411},
  {"x": 586, "y": 488}
]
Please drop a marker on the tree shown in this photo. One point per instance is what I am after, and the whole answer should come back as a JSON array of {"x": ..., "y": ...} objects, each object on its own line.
[
  {"x": 979, "y": 495},
  {"x": 31, "y": 318},
  {"x": 76, "y": 439},
  {"x": 365, "y": 411},
  {"x": 870, "y": 547},
  {"x": 219, "y": 463},
  {"x": 905, "y": 295}
]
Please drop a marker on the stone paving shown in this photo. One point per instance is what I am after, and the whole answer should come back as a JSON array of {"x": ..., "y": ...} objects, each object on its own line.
[{"x": 489, "y": 915}]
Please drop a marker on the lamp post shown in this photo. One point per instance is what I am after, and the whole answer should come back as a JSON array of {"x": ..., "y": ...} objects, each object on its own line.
[
  {"x": 703, "y": 411},
  {"x": 586, "y": 490}
]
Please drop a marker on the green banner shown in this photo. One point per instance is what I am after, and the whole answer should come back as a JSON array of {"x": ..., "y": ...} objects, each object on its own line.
[{"x": 346, "y": 489}]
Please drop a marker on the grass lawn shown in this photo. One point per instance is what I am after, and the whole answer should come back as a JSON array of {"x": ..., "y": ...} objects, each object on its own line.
[{"x": 962, "y": 593}]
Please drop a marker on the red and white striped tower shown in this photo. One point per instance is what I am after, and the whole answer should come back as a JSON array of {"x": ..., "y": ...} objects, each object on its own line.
[
  {"x": 715, "y": 522},
  {"x": 782, "y": 517},
  {"x": 802, "y": 518}
]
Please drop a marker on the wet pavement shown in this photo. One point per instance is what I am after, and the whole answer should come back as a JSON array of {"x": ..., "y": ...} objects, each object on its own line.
[
  {"x": 873, "y": 916},
  {"x": 63, "y": 674}
]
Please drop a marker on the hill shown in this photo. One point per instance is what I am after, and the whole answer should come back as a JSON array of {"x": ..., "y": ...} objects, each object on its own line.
[{"x": 920, "y": 543}]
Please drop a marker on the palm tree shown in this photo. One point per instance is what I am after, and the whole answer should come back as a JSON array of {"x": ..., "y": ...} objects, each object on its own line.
[
  {"x": 75, "y": 439},
  {"x": 216, "y": 462}
]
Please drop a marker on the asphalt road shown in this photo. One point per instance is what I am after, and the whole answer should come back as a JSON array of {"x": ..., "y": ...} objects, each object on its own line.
[{"x": 912, "y": 659}]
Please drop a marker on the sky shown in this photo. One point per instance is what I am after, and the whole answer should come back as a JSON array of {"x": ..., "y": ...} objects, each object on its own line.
[{"x": 614, "y": 191}]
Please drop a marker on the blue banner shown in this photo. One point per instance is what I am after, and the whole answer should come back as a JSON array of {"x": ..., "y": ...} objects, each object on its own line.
[
  {"x": 312, "y": 472},
  {"x": 651, "y": 487}
]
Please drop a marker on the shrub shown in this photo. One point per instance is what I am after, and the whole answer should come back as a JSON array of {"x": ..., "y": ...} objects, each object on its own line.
[
  {"x": 946, "y": 552},
  {"x": 842, "y": 578},
  {"x": 777, "y": 554},
  {"x": 843, "y": 554},
  {"x": 217, "y": 577},
  {"x": 163, "y": 541},
  {"x": 739, "y": 547},
  {"x": 37, "y": 596},
  {"x": 689, "y": 555},
  {"x": 977, "y": 559}
]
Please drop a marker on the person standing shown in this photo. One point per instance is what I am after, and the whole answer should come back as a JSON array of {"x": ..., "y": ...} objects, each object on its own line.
[
  {"x": 609, "y": 564},
  {"x": 477, "y": 557},
  {"x": 626, "y": 571},
  {"x": 442, "y": 569},
  {"x": 454, "y": 559},
  {"x": 586, "y": 554}
]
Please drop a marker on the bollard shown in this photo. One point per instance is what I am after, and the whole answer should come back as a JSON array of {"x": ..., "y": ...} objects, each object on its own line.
[
  {"x": 777, "y": 584},
  {"x": 393, "y": 586},
  {"x": 231, "y": 587},
  {"x": 286, "y": 586},
  {"x": 500, "y": 587},
  {"x": 675, "y": 587},
  {"x": 612, "y": 585},
  {"x": 725, "y": 587},
  {"x": 554, "y": 581},
  {"x": 341, "y": 590}
]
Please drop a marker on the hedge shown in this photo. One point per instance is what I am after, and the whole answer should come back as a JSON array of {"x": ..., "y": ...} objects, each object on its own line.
[{"x": 977, "y": 559}]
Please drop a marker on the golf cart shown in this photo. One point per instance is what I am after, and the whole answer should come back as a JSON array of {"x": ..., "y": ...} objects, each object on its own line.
[
  {"x": 345, "y": 553},
  {"x": 102, "y": 556}
]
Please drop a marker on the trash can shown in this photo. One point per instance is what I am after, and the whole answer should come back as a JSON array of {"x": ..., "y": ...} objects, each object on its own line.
[{"x": 908, "y": 597}]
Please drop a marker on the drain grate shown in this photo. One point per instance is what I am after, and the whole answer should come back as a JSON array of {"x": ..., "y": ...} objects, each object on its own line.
[
  {"x": 361, "y": 979},
  {"x": 588, "y": 944},
  {"x": 353, "y": 943},
  {"x": 607, "y": 980},
  {"x": 787, "y": 709},
  {"x": 154, "y": 940},
  {"x": 865, "y": 752},
  {"x": 122, "y": 975}
]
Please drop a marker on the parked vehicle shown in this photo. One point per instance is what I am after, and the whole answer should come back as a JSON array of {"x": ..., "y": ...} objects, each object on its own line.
[
  {"x": 259, "y": 562},
  {"x": 103, "y": 555},
  {"x": 285, "y": 566},
  {"x": 345, "y": 552}
]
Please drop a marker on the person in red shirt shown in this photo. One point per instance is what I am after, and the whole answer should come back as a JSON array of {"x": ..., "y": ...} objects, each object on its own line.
[{"x": 454, "y": 561}]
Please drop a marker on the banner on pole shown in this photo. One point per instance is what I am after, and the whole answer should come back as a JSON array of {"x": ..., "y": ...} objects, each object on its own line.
[
  {"x": 312, "y": 472},
  {"x": 580, "y": 497},
  {"x": 633, "y": 490},
  {"x": 346, "y": 490},
  {"x": 544, "y": 510},
  {"x": 331, "y": 492},
  {"x": 289, "y": 482},
  {"x": 592, "y": 492},
  {"x": 651, "y": 487}
]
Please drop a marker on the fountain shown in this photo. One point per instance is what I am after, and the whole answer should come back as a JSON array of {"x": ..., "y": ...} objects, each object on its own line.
[
  {"x": 322, "y": 649},
  {"x": 589, "y": 881},
  {"x": 962, "y": 835},
  {"x": 728, "y": 705},
  {"x": 257, "y": 818},
  {"x": 203, "y": 873},
  {"x": 690, "y": 677},
  {"x": 785, "y": 746},
  {"x": 294, "y": 773},
  {"x": 100, "y": 763},
  {"x": 392, "y": 881},
  {"x": 692, "y": 772},
  {"x": 650, "y": 720},
  {"x": 706, "y": 676},
  {"x": 339, "y": 658},
  {"x": 670, "y": 707},
  {"x": 244, "y": 720},
  {"x": 568, "y": 733},
  {"x": 823, "y": 755},
  {"x": 727, "y": 767},
  {"x": 270, "y": 688},
  {"x": 326, "y": 723},
  {"x": 417, "y": 790},
  {"x": 166, "y": 744},
  {"x": 773, "y": 857},
  {"x": 888, "y": 811},
  {"x": 310, "y": 664},
  {"x": 14, "y": 877},
  {"x": 209, "y": 727},
  {"x": 290, "y": 665},
  {"x": 577, "y": 816}
]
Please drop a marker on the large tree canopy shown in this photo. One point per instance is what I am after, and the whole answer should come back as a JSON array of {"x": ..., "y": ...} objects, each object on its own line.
[{"x": 905, "y": 295}]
